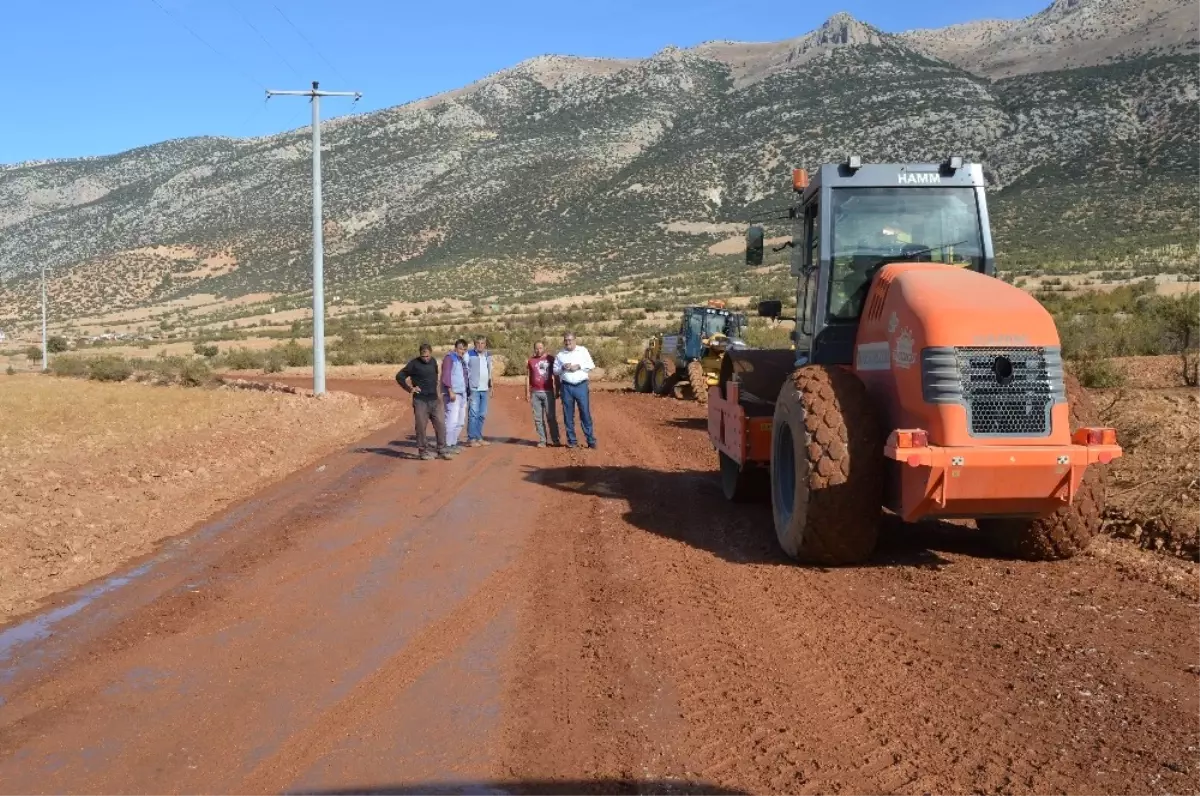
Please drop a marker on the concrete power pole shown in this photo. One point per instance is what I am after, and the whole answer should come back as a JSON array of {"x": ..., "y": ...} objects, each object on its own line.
[
  {"x": 318, "y": 240},
  {"x": 45, "y": 356}
]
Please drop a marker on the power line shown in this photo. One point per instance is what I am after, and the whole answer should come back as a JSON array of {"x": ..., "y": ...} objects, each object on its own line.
[
  {"x": 203, "y": 41},
  {"x": 265, "y": 41},
  {"x": 309, "y": 43},
  {"x": 252, "y": 116}
]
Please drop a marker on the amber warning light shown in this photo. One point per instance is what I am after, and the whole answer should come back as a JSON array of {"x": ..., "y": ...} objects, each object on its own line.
[
  {"x": 1095, "y": 436},
  {"x": 911, "y": 439},
  {"x": 799, "y": 179}
]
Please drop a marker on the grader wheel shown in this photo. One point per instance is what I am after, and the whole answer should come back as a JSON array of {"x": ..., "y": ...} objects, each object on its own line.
[
  {"x": 827, "y": 470},
  {"x": 643, "y": 376},
  {"x": 1069, "y": 530},
  {"x": 698, "y": 380},
  {"x": 663, "y": 378}
]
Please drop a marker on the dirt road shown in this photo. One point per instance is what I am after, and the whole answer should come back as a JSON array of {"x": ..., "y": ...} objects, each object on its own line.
[{"x": 524, "y": 620}]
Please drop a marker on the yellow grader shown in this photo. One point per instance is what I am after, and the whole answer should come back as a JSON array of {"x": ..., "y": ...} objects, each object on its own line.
[{"x": 692, "y": 356}]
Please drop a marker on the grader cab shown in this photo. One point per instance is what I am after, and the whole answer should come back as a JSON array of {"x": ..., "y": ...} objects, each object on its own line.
[{"x": 920, "y": 383}]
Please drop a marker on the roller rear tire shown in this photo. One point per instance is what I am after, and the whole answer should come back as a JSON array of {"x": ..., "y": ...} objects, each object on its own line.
[{"x": 1068, "y": 531}]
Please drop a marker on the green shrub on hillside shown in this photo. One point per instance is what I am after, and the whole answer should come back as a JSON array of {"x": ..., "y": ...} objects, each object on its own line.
[
  {"x": 109, "y": 368},
  {"x": 70, "y": 366},
  {"x": 242, "y": 359}
]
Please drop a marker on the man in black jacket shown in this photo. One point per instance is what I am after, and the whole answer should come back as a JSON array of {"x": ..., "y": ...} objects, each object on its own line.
[{"x": 423, "y": 373}]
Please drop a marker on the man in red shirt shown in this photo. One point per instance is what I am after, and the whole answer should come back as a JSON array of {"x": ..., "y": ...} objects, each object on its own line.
[{"x": 540, "y": 392}]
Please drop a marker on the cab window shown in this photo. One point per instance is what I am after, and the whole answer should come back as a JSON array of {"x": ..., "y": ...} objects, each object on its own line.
[{"x": 872, "y": 227}]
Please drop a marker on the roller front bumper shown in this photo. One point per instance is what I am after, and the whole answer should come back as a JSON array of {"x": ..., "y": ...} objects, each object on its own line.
[{"x": 983, "y": 481}]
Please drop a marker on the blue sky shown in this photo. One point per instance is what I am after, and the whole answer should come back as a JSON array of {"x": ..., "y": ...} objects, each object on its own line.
[{"x": 91, "y": 77}]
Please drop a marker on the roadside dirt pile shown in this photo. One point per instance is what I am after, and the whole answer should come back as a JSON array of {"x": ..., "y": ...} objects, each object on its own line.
[{"x": 1154, "y": 491}]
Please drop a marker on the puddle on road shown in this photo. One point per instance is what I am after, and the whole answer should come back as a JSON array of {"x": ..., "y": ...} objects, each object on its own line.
[{"x": 40, "y": 626}]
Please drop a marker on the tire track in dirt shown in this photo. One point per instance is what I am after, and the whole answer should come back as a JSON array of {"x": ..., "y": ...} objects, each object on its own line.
[
  {"x": 741, "y": 711},
  {"x": 919, "y": 672},
  {"x": 386, "y": 685},
  {"x": 293, "y": 667},
  {"x": 586, "y": 700}
]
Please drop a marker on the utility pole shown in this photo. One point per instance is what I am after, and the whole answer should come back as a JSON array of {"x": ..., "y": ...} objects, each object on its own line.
[
  {"x": 318, "y": 240},
  {"x": 45, "y": 357}
]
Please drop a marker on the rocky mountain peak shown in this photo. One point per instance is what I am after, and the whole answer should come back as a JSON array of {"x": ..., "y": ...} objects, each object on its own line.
[
  {"x": 751, "y": 62},
  {"x": 842, "y": 30},
  {"x": 1063, "y": 6},
  {"x": 1067, "y": 34}
]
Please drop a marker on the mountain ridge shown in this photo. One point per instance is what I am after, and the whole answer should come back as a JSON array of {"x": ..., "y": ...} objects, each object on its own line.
[{"x": 599, "y": 164}]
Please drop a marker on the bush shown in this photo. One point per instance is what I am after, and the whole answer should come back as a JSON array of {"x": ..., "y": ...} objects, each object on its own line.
[
  {"x": 56, "y": 344},
  {"x": 207, "y": 351},
  {"x": 11, "y": 371},
  {"x": 243, "y": 359},
  {"x": 297, "y": 356},
  {"x": 74, "y": 367},
  {"x": 33, "y": 353},
  {"x": 274, "y": 361},
  {"x": 1096, "y": 373},
  {"x": 109, "y": 368}
]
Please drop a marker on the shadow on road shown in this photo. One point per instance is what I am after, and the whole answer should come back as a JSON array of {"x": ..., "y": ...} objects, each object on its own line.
[
  {"x": 549, "y": 786},
  {"x": 688, "y": 506},
  {"x": 407, "y": 448},
  {"x": 689, "y": 423},
  {"x": 397, "y": 449}
]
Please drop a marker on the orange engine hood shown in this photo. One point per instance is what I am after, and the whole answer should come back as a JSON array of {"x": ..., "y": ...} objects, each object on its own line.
[{"x": 956, "y": 307}]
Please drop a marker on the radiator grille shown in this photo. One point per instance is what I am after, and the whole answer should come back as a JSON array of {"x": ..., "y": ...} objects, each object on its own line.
[{"x": 1008, "y": 391}]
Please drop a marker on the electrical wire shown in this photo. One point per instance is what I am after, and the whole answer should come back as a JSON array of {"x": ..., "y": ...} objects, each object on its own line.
[
  {"x": 253, "y": 116},
  {"x": 270, "y": 46},
  {"x": 203, "y": 41},
  {"x": 309, "y": 43}
]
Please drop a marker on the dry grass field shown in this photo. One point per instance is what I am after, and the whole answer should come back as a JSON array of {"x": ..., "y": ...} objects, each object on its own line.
[{"x": 94, "y": 474}]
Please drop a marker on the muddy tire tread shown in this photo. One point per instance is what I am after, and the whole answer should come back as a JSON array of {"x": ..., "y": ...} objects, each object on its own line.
[
  {"x": 842, "y": 524},
  {"x": 1069, "y": 530}
]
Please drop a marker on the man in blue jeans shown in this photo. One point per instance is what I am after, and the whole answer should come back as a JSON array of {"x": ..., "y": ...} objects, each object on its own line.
[
  {"x": 572, "y": 366},
  {"x": 479, "y": 381}
]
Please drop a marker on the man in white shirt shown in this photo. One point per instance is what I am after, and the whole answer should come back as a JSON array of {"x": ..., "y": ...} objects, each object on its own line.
[{"x": 572, "y": 365}]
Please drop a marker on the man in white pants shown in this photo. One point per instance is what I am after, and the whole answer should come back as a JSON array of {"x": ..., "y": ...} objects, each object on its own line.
[{"x": 454, "y": 392}]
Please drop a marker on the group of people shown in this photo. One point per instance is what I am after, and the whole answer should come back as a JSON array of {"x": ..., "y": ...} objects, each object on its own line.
[{"x": 456, "y": 394}]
